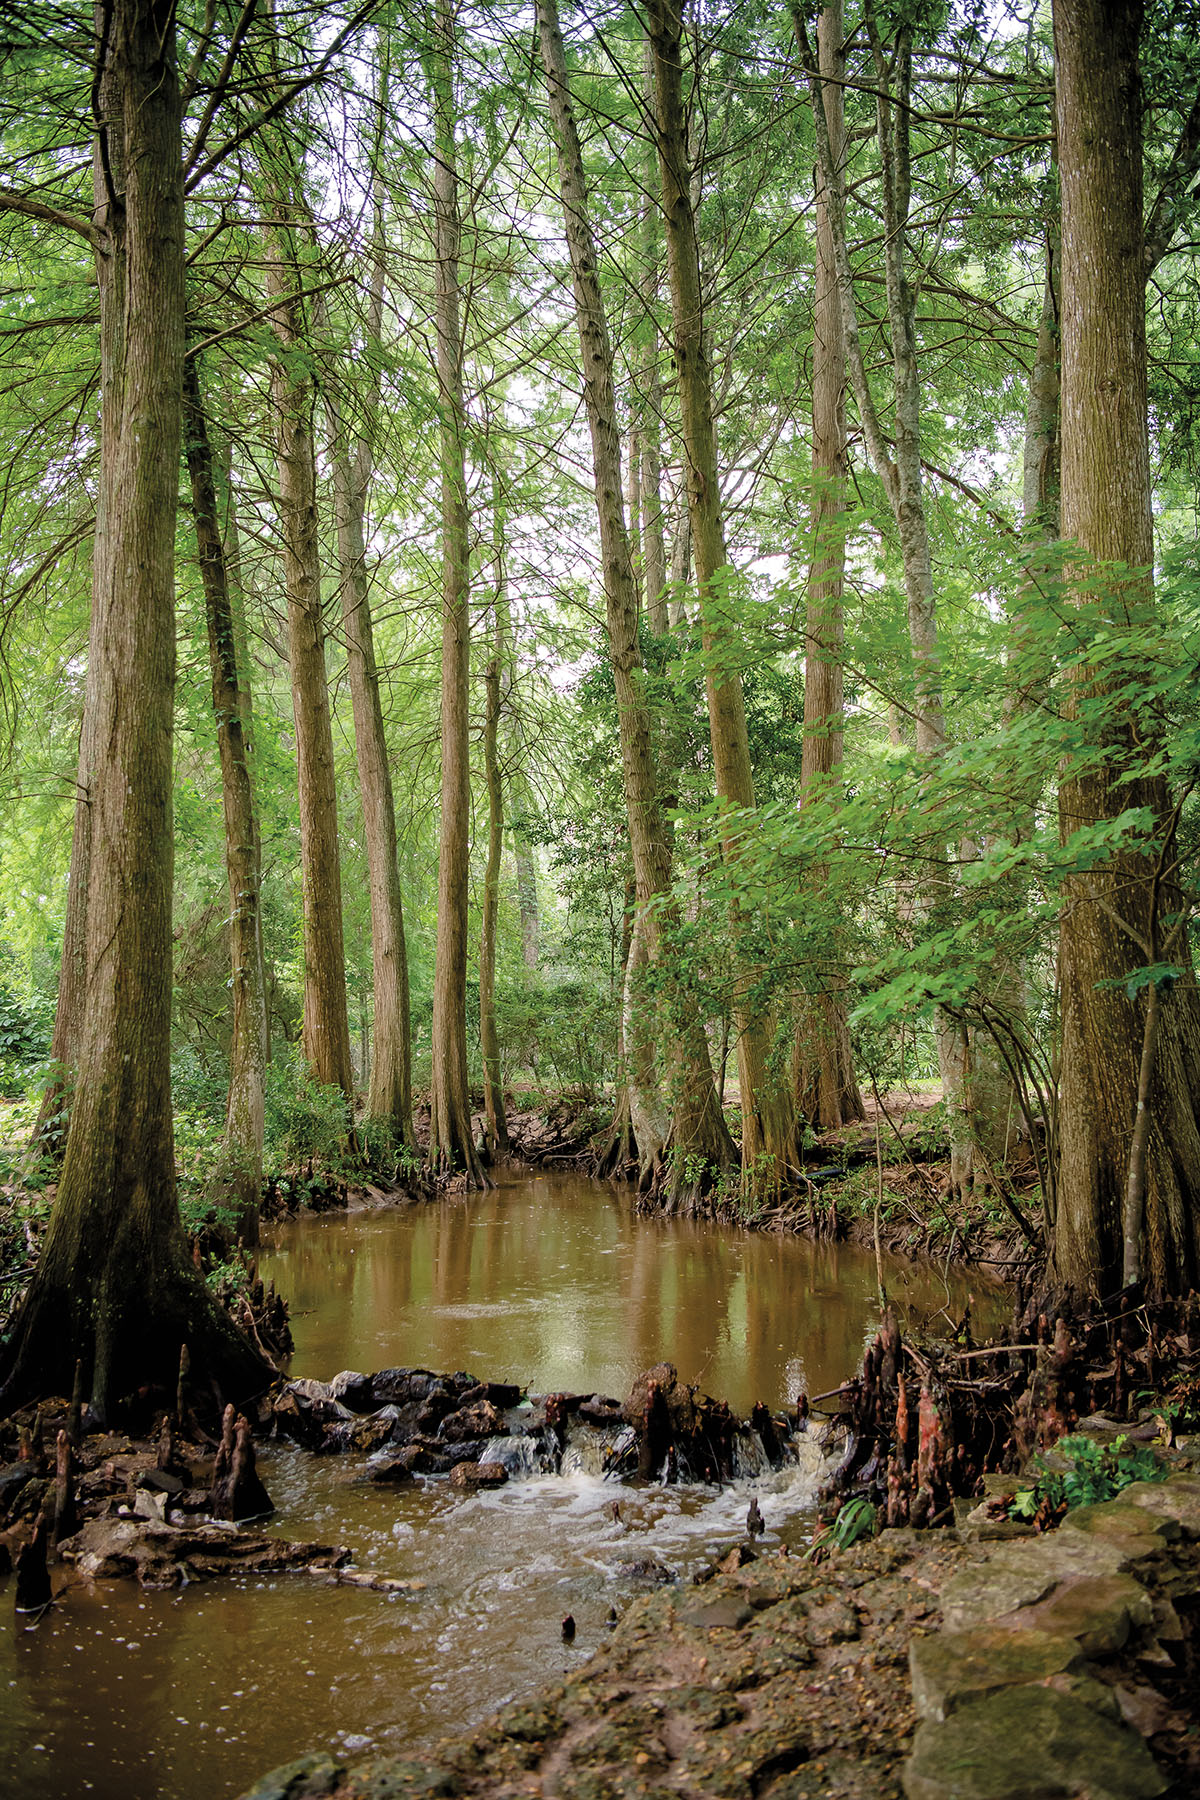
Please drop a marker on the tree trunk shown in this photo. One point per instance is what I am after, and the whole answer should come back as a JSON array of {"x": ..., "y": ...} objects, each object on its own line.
[
  {"x": 115, "y": 1287},
  {"x": 901, "y": 476},
  {"x": 451, "y": 1147},
  {"x": 108, "y": 165},
  {"x": 326, "y": 1033},
  {"x": 231, "y": 708},
  {"x": 654, "y": 551},
  {"x": 1111, "y": 917},
  {"x": 496, "y": 1126},
  {"x": 389, "y": 1091},
  {"x": 827, "y": 1093},
  {"x": 527, "y": 893},
  {"x": 768, "y": 1114},
  {"x": 700, "y": 1141},
  {"x": 681, "y": 554}
]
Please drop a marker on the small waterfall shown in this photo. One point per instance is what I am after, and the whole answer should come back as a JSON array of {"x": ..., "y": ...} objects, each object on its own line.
[
  {"x": 523, "y": 1456},
  {"x": 750, "y": 1460},
  {"x": 590, "y": 1451}
]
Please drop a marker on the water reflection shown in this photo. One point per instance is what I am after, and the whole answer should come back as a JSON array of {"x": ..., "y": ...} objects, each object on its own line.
[{"x": 558, "y": 1283}]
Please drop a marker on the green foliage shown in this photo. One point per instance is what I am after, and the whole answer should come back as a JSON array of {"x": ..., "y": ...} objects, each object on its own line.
[
  {"x": 558, "y": 1030},
  {"x": 1094, "y": 1472},
  {"x": 856, "y": 1520},
  {"x": 304, "y": 1122},
  {"x": 25, "y": 1027}
]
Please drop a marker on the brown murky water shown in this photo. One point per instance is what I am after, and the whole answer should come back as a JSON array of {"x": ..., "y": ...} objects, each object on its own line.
[{"x": 553, "y": 1282}]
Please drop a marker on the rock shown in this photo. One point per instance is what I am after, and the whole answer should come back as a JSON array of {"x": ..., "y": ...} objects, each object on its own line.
[
  {"x": 355, "y": 1390},
  {"x": 1029, "y": 1743},
  {"x": 1177, "y": 1498},
  {"x": 402, "y": 1385},
  {"x": 646, "y": 1569},
  {"x": 481, "y": 1420},
  {"x": 392, "y": 1472},
  {"x": 725, "y": 1611},
  {"x": 1097, "y": 1695},
  {"x": 165, "y": 1556},
  {"x": 162, "y": 1481},
  {"x": 308, "y": 1778},
  {"x": 737, "y": 1558},
  {"x": 600, "y": 1410},
  {"x": 1018, "y": 1575},
  {"x": 497, "y": 1393},
  {"x": 982, "y": 1524},
  {"x": 306, "y": 1387},
  {"x": 370, "y": 1432},
  {"x": 979, "y": 1594},
  {"x": 478, "y": 1475},
  {"x": 1134, "y": 1529},
  {"x": 951, "y": 1668},
  {"x": 1099, "y": 1611}
]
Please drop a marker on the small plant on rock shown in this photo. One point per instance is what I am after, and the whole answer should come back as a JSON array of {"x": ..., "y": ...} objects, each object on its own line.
[{"x": 1094, "y": 1472}]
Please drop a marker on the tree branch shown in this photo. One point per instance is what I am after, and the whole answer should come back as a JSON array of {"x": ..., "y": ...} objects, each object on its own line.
[
  {"x": 1168, "y": 205},
  {"x": 51, "y": 215}
]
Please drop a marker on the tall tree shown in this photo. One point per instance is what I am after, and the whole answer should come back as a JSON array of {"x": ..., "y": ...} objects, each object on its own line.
[
  {"x": 451, "y": 1146},
  {"x": 495, "y": 678},
  {"x": 898, "y": 464},
  {"x": 696, "y": 1127},
  {"x": 827, "y": 1091},
  {"x": 1130, "y": 1083},
  {"x": 352, "y": 455},
  {"x": 115, "y": 1286},
  {"x": 245, "y": 1112},
  {"x": 768, "y": 1114},
  {"x": 326, "y": 1039}
]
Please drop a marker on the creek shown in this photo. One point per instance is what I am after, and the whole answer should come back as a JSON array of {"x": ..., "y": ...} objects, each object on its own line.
[{"x": 551, "y": 1281}]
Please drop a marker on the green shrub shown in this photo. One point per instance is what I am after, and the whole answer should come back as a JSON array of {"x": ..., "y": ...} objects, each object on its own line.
[
  {"x": 1095, "y": 1472},
  {"x": 305, "y": 1122}
]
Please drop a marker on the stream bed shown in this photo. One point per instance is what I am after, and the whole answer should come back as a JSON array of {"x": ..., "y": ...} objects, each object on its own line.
[{"x": 550, "y": 1281}]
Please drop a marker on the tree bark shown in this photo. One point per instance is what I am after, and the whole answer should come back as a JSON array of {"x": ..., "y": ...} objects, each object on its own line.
[
  {"x": 1110, "y": 915},
  {"x": 451, "y": 1147},
  {"x": 326, "y": 1031},
  {"x": 654, "y": 551},
  {"x": 244, "y": 1116},
  {"x": 108, "y": 166},
  {"x": 115, "y": 1287},
  {"x": 827, "y": 1092},
  {"x": 389, "y": 1088},
  {"x": 768, "y": 1113},
  {"x": 496, "y": 1123},
  {"x": 699, "y": 1139}
]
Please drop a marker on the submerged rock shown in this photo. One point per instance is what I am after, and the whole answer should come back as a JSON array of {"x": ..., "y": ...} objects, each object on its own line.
[{"x": 159, "y": 1555}]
